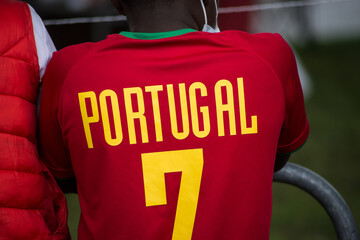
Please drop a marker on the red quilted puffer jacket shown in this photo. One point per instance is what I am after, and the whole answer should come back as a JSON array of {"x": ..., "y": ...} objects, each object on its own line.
[{"x": 31, "y": 204}]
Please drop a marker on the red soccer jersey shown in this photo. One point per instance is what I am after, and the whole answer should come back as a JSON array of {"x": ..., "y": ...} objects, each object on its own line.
[{"x": 175, "y": 137}]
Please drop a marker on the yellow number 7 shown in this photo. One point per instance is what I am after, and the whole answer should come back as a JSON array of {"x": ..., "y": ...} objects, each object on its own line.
[{"x": 190, "y": 163}]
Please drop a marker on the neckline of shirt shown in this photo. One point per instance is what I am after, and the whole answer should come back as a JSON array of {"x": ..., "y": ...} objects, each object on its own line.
[{"x": 155, "y": 36}]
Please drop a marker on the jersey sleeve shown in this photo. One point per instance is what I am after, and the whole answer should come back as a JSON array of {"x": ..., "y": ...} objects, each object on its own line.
[
  {"x": 295, "y": 129},
  {"x": 54, "y": 152},
  {"x": 52, "y": 149}
]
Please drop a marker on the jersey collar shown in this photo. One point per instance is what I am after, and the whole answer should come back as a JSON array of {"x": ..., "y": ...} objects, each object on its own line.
[{"x": 154, "y": 36}]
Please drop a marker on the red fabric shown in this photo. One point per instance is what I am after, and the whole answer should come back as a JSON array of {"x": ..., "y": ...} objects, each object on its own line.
[
  {"x": 31, "y": 204},
  {"x": 234, "y": 201}
]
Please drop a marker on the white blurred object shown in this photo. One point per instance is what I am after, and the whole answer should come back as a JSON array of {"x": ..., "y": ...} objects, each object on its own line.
[
  {"x": 323, "y": 22},
  {"x": 305, "y": 79},
  {"x": 44, "y": 45}
]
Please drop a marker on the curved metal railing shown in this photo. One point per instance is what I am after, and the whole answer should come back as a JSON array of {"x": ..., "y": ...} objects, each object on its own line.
[{"x": 325, "y": 194}]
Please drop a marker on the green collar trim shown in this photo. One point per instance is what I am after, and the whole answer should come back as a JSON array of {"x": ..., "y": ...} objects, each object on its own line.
[{"x": 154, "y": 36}]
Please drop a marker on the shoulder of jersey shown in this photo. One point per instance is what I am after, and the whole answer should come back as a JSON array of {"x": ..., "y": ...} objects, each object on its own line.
[
  {"x": 256, "y": 41},
  {"x": 78, "y": 51},
  {"x": 271, "y": 47},
  {"x": 67, "y": 57},
  {"x": 74, "y": 51}
]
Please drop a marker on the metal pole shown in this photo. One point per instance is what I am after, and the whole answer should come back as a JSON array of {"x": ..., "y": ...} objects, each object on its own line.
[{"x": 325, "y": 194}]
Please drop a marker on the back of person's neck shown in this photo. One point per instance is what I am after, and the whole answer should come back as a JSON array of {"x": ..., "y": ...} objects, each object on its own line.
[{"x": 164, "y": 22}]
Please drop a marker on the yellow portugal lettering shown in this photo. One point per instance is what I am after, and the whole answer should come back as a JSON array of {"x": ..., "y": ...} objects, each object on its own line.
[
  {"x": 244, "y": 128},
  {"x": 154, "y": 90},
  {"x": 86, "y": 119},
  {"x": 194, "y": 110},
  {"x": 116, "y": 117},
  {"x": 184, "y": 112},
  {"x": 190, "y": 163},
  {"x": 131, "y": 115},
  {"x": 222, "y": 107}
]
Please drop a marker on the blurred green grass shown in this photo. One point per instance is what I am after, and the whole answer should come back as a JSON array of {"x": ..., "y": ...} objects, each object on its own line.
[{"x": 331, "y": 150}]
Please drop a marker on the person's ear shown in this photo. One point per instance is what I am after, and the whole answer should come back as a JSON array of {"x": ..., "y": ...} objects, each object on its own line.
[{"x": 117, "y": 4}]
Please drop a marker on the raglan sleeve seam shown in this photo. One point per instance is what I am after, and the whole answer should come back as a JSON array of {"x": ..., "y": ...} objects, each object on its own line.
[{"x": 301, "y": 138}]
